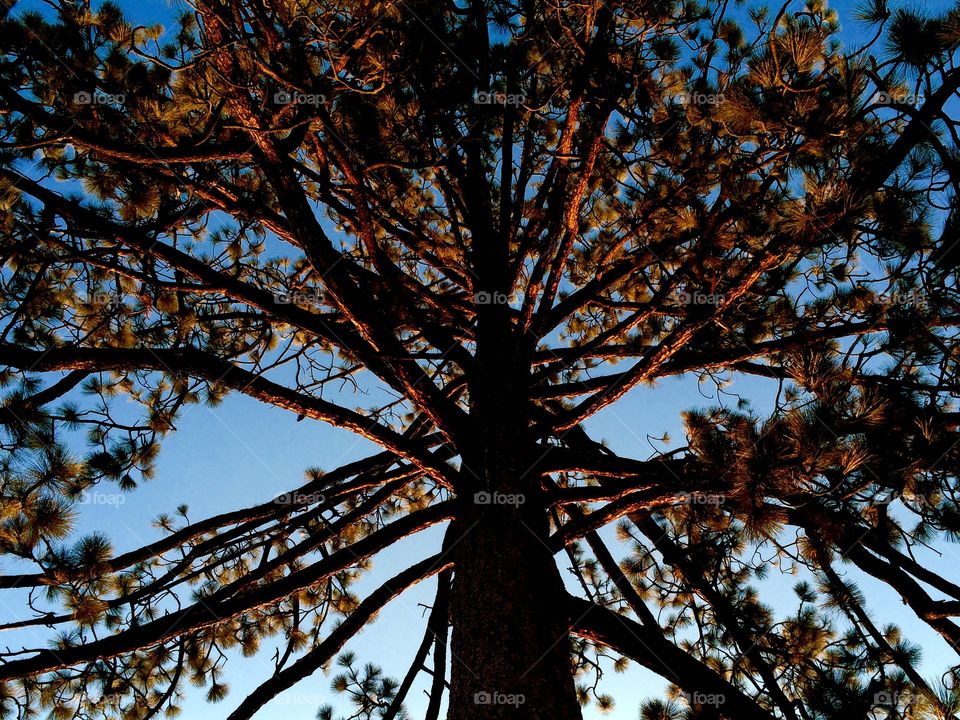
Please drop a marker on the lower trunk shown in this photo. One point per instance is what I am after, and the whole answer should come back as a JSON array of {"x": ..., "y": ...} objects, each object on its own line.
[{"x": 510, "y": 648}]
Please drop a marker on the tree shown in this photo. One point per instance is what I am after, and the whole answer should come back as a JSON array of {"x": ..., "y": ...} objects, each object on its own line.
[{"x": 497, "y": 219}]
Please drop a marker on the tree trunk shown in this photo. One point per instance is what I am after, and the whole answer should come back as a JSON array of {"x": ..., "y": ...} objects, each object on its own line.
[{"x": 510, "y": 647}]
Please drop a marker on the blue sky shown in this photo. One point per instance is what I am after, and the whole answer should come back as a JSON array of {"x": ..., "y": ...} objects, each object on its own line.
[{"x": 242, "y": 453}]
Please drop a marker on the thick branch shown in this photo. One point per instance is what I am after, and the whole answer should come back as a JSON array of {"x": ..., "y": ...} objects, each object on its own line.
[
  {"x": 651, "y": 649},
  {"x": 196, "y": 363},
  {"x": 320, "y": 655}
]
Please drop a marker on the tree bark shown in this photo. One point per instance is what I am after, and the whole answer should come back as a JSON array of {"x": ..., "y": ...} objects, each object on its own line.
[
  {"x": 511, "y": 654},
  {"x": 510, "y": 645}
]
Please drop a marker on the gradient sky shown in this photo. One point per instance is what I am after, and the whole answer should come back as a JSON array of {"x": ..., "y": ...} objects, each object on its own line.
[{"x": 242, "y": 453}]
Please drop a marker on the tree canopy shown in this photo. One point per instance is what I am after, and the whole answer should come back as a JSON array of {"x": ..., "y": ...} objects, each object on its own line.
[{"x": 461, "y": 230}]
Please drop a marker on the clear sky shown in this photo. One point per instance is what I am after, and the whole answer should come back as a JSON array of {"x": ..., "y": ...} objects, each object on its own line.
[{"x": 242, "y": 453}]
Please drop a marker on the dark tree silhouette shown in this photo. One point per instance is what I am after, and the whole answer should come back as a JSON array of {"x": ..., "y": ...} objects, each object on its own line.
[{"x": 496, "y": 219}]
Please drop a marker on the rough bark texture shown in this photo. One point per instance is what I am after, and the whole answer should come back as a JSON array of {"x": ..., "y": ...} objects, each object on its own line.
[
  {"x": 511, "y": 653},
  {"x": 510, "y": 642}
]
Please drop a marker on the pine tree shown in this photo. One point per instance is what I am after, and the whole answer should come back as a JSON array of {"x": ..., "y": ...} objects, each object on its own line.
[{"x": 461, "y": 230}]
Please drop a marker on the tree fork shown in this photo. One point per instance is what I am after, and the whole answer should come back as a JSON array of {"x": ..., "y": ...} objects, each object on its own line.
[{"x": 510, "y": 648}]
